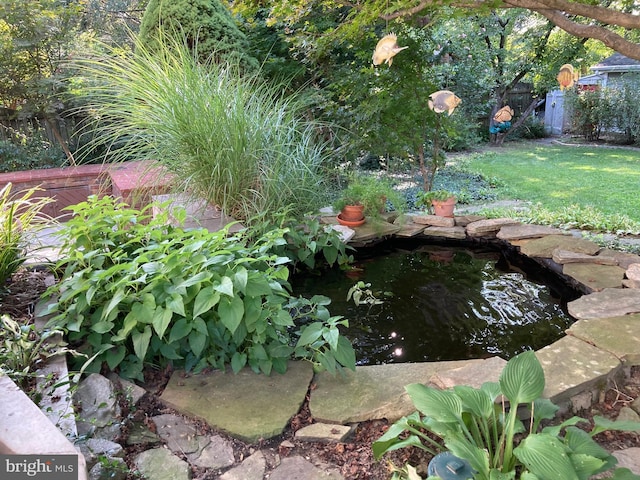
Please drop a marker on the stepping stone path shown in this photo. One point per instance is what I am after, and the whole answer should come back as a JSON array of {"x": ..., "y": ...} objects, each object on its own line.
[{"x": 604, "y": 339}]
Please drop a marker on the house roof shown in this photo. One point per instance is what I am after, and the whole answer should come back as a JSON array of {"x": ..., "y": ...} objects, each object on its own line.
[{"x": 617, "y": 63}]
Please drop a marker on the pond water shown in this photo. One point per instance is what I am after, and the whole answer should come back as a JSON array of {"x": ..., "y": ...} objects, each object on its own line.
[{"x": 445, "y": 303}]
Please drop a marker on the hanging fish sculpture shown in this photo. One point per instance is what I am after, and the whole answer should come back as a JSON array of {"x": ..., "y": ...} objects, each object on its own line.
[
  {"x": 386, "y": 49},
  {"x": 505, "y": 114},
  {"x": 443, "y": 101},
  {"x": 567, "y": 76}
]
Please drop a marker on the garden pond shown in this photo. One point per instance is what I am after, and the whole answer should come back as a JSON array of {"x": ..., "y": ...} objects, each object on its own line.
[{"x": 445, "y": 303}]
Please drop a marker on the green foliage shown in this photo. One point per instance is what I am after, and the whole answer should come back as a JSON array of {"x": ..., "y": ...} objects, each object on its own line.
[
  {"x": 425, "y": 199},
  {"x": 309, "y": 244},
  {"x": 134, "y": 290},
  {"x": 591, "y": 113},
  {"x": 24, "y": 349},
  {"x": 20, "y": 215},
  {"x": 29, "y": 152},
  {"x": 229, "y": 139},
  {"x": 475, "y": 426},
  {"x": 371, "y": 192},
  {"x": 206, "y": 25}
]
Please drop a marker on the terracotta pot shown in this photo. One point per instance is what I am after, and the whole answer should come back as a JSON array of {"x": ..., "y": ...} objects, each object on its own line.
[
  {"x": 352, "y": 213},
  {"x": 444, "y": 208},
  {"x": 350, "y": 223}
]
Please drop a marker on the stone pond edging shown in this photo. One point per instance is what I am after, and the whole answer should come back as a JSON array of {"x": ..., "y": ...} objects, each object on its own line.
[{"x": 600, "y": 346}]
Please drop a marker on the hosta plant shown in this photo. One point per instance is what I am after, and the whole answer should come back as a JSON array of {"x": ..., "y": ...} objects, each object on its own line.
[
  {"x": 134, "y": 290},
  {"x": 483, "y": 426}
]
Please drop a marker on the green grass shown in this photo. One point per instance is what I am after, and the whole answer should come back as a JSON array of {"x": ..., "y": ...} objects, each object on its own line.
[{"x": 591, "y": 184}]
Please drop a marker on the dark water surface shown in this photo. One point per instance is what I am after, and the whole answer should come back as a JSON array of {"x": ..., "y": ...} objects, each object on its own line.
[{"x": 444, "y": 303}]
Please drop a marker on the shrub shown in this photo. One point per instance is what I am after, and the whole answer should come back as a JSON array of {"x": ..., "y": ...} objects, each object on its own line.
[
  {"x": 134, "y": 290},
  {"x": 229, "y": 139},
  {"x": 207, "y": 25},
  {"x": 29, "y": 152}
]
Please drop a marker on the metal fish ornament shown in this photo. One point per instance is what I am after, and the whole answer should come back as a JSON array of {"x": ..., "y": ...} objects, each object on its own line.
[
  {"x": 567, "y": 76},
  {"x": 443, "y": 101},
  {"x": 505, "y": 114},
  {"x": 386, "y": 49}
]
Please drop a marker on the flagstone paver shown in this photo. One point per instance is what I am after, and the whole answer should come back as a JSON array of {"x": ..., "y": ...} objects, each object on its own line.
[
  {"x": 610, "y": 302},
  {"x": 618, "y": 335},
  {"x": 543, "y": 247},
  {"x": 595, "y": 277}
]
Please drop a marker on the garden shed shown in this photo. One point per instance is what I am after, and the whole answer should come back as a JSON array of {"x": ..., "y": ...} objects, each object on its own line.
[{"x": 604, "y": 74}]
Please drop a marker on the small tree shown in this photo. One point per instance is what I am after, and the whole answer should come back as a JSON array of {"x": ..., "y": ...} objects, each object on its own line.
[{"x": 206, "y": 24}]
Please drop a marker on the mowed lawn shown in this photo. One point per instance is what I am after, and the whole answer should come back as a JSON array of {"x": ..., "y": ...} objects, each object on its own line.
[{"x": 556, "y": 176}]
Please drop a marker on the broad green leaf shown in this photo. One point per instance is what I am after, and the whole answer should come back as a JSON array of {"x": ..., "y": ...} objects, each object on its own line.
[
  {"x": 475, "y": 401},
  {"x": 495, "y": 474},
  {"x": 257, "y": 285},
  {"x": 141, "y": 341},
  {"x": 624, "y": 474},
  {"x": 380, "y": 447},
  {"x": 198, "y": 278},
  {"x": 546, "y": 456},
  {"x": 522, "y": 379},
  {"x": 238, "y": 361},
  {"x": 283, "y": 318},
  {"x": 442, "y": 405},
  {"x": 180, "y": 330},
  {"x": 580, "y": 441},
  {"x": 116, "y": 356},
  {"x": 602, "y": 424},
  {"x": 200, "y": 326},
  {"x": 240, "y": 278},
  {"x": 310, "y": 334},
  {"x": 205, "y": 300},
  {"x": 345, "y": 354},
  {"x": 225, "y": 287},
  {"x": 529, "y": 476},
  {"x": 161, "y": 319},
  {"x": 115, "y": 301},
  {"x": 102, "y": 327},
  {"x": 197, "y": 342},
  {"x": 477, "y": 457},
  {"x": 175, "y": 303},
  {"x": 231, "y": 311},
  {"x": 586, "y": 465},
  {"x": 331, "y": 336}
]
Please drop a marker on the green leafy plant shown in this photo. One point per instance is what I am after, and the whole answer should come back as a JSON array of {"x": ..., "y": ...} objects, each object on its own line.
[
  {"x": 308, "y": 244},
  {"x": 362, "y": 294},
  {"x": 135, "y": 290},
  {"x": 371, "y": 192},
  {"x": 24, "y": 349},
  {"x": 20, "y": 215},
  {"x": 482, "y": 425},
  {"x": 426, "y": 198}
]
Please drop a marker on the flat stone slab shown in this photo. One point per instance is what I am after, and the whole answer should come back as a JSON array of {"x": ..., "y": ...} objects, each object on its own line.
[
  {"x": 565, "y": 256},
  {"x": 161, "y": 464},
  {"x": 323, "y": 432},
  {"x": 371, "y": 392},
  {"x": 372, "y": 230},
  {"x": 519, "y": 232},
  {"x": 623, "y": 259},
  {"x": 544, "y": 247},
  {"x": 595, "y": 277},
  {"x": 572, "y": 366},
  {"x": 618, "y": 335},
  {"x": 464, "y": 220},
  {"x": 474, "y": 374},
  {"x": 633, "y": 272},
  {"x": 409, "y": 229},
  {"x": 299, "y": 468},
  {"x": 629, "y": 458},
  {"x": 251, "y": 468},
  {"x": 445, "y": 232},
  {"x": 489, "y": 226},
  {"x": 246, "y": 405},
  {"x": 610, "y": 302},
  {"x": 434, "y": 220}
]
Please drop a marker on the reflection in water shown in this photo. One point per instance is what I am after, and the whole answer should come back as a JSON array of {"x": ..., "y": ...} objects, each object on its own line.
[{"x": 441, "y": 304}]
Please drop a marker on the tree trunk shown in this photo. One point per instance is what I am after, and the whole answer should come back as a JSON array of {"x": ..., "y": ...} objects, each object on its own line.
[
  {"x": 499, "y": 140},
  {"x": 61, "y": 141}
]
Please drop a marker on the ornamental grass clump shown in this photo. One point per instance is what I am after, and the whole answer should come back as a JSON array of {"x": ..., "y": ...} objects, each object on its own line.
[
  {"x": 227, "y": 137},
  {"x": 20, "y": 216}
]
